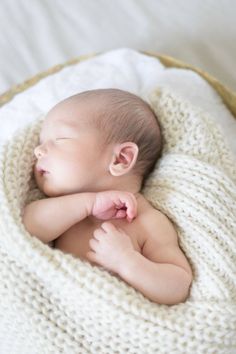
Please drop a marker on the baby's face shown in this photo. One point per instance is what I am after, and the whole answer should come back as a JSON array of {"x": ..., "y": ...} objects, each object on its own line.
[{"x": 69, "y": 152}]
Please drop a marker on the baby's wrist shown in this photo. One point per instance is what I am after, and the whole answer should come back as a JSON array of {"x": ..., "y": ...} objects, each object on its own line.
[
  {"x": 89, "y": 202},
  {"x": 128, "y": 263}
]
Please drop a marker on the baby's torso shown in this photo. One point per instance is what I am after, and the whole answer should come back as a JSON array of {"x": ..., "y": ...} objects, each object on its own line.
[{"x": 76, "y": 239}]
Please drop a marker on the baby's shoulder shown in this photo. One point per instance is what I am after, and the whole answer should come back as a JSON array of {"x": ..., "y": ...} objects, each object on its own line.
[{"x": 156, "y": 224}]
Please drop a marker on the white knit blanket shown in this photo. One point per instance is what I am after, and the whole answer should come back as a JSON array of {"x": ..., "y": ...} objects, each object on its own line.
[{"x": 52, "y": 302}]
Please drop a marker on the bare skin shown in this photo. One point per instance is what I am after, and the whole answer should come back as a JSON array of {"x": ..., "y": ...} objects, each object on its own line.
[
  {"x": 76, "y": 240},
  {"x": 144, "y": 252}
]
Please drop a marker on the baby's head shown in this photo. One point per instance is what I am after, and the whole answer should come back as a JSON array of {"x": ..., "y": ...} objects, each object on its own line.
[{"x": 97, "y": 140}]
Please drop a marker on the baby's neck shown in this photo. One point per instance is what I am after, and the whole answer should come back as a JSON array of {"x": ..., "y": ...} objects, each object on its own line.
[{"x": 126, "y": 184}]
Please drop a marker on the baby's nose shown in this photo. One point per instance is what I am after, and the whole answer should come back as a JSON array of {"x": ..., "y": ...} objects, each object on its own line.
[{"x": 38, "y": 151}]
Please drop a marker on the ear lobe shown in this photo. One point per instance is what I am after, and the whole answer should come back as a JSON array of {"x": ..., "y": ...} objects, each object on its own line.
[{"x": 123, "y": 159}]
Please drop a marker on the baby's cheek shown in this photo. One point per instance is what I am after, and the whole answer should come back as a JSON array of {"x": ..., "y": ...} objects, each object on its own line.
[{"x": 37, "y": 179}]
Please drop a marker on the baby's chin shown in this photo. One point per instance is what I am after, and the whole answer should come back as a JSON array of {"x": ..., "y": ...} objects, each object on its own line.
[
  {"x": 53, "y": 191},
  {"x": 49, "y": 191},
  {"x": 47, "y": 187},
  {"x": 51, "y": 194}
]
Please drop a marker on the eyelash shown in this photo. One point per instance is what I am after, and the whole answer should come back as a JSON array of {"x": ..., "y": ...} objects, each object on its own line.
[{"x": 57, "y": 139}]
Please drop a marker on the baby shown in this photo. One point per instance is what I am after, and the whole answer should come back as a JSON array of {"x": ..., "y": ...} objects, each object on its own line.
[{"x": 96, "y": 150}]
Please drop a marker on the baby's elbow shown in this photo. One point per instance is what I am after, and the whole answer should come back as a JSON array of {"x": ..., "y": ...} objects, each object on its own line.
[
  {"x": 186, "y": 285},
  {"x": 26, "y": 219},
  {"x": 183, "y": 289}
]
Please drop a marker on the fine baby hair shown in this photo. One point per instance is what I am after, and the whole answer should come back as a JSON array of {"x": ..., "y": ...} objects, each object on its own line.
[{"x": 123, "y": 116}]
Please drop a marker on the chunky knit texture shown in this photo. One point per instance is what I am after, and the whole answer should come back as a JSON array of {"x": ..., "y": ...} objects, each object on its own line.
[{"x": 52, "y": 302}]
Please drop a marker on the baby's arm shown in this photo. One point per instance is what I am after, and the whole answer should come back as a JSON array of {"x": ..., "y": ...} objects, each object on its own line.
[
  {"x": 164, "y": 283},
  {"x": 161, "y": 272},
  {"x": 49, "y": 218}
]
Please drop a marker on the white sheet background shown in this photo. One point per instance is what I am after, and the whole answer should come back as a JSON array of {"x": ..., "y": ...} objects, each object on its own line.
[
  {"x": 125, "y": 69},
  {"x": 37, "y": 34}
]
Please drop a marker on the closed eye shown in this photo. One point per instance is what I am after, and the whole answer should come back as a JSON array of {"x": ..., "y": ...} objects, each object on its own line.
[{"x": 40, "y": 143}]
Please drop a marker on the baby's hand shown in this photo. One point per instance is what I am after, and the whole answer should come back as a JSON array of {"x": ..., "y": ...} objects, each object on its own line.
[
  {"x": 114, "y": 205},
  {"x": 110, "y": 247}
]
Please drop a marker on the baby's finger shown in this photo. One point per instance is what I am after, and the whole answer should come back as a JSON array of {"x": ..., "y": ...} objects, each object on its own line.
[
  {"x": 131, "y": 204},
  {"x": 92, "y": 257},
  {"x": 98, "y": 233},
  {"x": 108, "y": 226},
  {"x": 93, "y": 244}
]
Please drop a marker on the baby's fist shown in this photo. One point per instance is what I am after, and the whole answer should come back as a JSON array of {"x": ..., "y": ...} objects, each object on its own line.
[
  {"x": 115, "y": 205},
  {"x": 110, "y": 247}
]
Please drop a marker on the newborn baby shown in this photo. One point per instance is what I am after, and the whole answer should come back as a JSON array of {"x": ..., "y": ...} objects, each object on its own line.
[{"x": 96, "y": 150}]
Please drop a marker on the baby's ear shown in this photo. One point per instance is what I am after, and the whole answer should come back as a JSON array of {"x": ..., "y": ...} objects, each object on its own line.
[{"x": 123, "y": 159}]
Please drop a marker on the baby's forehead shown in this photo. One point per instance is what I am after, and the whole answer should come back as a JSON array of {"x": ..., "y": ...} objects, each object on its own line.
[
  {"x": 53, "y": 127},
  {"x": 72, "y": 111},
  {"x": 55, "y": 124},
  {"x": 74, "y": 114}
]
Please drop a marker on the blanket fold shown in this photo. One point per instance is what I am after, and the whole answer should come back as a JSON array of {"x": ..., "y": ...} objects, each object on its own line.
[{"x": 52, "y": 302}]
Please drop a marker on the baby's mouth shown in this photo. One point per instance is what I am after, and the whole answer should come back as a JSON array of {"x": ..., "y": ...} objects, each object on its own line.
[{"x": 41, "y": 170}]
